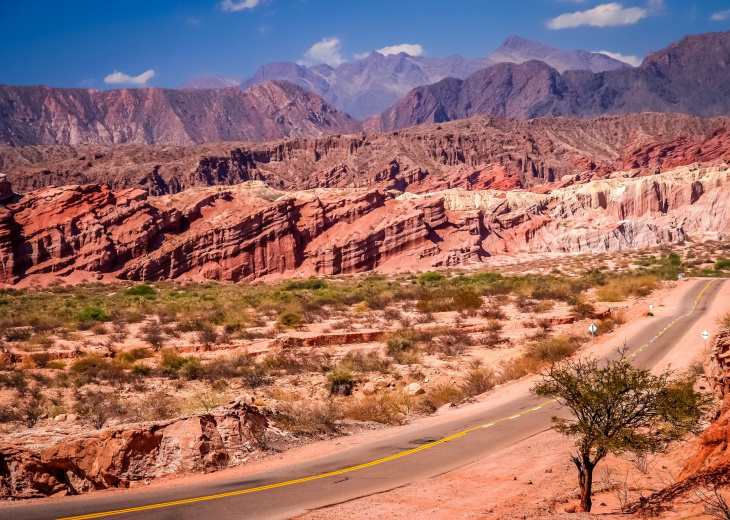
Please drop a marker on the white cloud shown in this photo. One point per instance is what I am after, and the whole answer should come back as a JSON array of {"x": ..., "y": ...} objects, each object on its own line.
[
  {"x": 325, "y": 51},
  {"x": 631, "y": 60},
  {"x": 231, "y": 6},
  {"x": 412, "y": 49},
  {"x": 116, "y": 78},
  {"x": 605, "y": 15},
  {"x": 721, "y": 16}
]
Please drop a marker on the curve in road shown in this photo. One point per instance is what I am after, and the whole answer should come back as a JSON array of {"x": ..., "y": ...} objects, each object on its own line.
[{"x": 401, "y": 459}]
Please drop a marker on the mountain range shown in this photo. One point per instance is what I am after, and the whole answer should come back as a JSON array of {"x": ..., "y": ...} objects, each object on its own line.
[
  {"x": 370, "y": 85},
  {"x": 691, "y": 76}
]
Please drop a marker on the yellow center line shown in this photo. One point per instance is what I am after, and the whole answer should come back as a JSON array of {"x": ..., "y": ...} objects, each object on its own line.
[{"x": 341, "y": 471}]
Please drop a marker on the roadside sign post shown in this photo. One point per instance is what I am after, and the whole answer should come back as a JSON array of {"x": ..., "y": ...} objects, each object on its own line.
[
  {"x": 705, "y": 335},
  {"x": 593, "y": 329}
]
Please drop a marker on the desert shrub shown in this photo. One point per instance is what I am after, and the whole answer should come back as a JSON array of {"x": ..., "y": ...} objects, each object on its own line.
[
  {"x": 516, "y": 368},
  {"x": 723, "y": 321},
  {"x": 18, "y": 335},
  {"x": 668, "y": 268},
  {"x": 42, "y": 340},
  {"x": 155, "y": 406},
  {"x": 493, "y": 311},
  {"x": 97, "y": 408},
  {"x": 542, "y": 350},
  {"x": 451, "y": 342},
  {"x": 139, "y": 369},
  {"x": 143, "y": 291},
  {"x": 525, "y": 304},
  {"x": 365, "y": 362},
  {"x": 722, "y": 264},
  {"x": 192, "y": 368},
  {"x": 41, "y": 359},
  {"x": 227, "y": 367},
  {"x": 30, "y": 408},
  {"x": 255, "y": 376},
  {"x": 14, "y": 379},
  {"x": 291, "y": 319},
  {"x": 92, "y": 314},
  {"x": 619, "y": 289},
  {"x": 465, "y": 299},
  {"x": 91, "y": 364},
  {"x": 311, "y": 284},
  {"x": 430, "y": 278},
  {"x": 494, "y": 326},
  {"x": 341, "y": 381},
  {"x": 478, "y": 381},
  {"x": 152, "y": 333},
  {"x": 173, "y": 365},
  {"x": 311, "y": 417},
  {"x": 389, "y": 407},
  {"x": 44, "y": 323},
  {"x": 552, "y": 349},
  {"x": 378, "y": 302},
  {"x": 391, "y": 314},
  {"x": 604, "y": 326},
  {"x": 582, "y": 310},
  {"x": 402, "y": 346},
  {"x": 208, "y": 336}
]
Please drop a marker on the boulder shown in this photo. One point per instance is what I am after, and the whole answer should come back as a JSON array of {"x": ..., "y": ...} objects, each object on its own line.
[
  {"x": 368, "y": 388},
  {"x": 33, "y": 466}
]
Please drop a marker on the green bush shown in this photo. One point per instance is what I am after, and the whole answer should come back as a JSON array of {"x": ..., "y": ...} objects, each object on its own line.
[
  {"x": 311, "y": 284},
  {"x": 90, "y": 314},
  {"x": 174, "y": 366},
  {"x": 144, "y": 291},
  {"x": 291, "y": 319},
  {"x": 430, "y": 278},
  {"x": 91, "y": 364},
  {"x": 722, "y": 264}
]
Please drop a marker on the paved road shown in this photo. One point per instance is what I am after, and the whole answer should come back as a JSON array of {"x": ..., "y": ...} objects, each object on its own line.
[{"x": 360, "y": 471}]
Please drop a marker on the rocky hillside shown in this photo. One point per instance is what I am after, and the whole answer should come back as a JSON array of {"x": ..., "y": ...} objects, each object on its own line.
[
  {"x": 44, "y": 115},
  {"x": 690, "y": 76},
  {"x": 479, "y": 153},
  {"x": 252, "y": 231}
]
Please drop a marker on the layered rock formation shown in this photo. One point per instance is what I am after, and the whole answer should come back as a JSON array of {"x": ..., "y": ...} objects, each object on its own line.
[
  {"x": 44, "y": 464},
  {"x": 45, "y": 115},
  {"x": 690, "y": 76},
  {"x": 252, "y": 231},
  {"x": 479, "y": 153}
]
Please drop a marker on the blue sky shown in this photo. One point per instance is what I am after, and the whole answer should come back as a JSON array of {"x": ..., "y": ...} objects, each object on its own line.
[{"x": 164, "y": 42}]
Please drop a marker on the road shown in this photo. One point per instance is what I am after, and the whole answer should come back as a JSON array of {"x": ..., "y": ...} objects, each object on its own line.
[{"x": 400, "y": 459}]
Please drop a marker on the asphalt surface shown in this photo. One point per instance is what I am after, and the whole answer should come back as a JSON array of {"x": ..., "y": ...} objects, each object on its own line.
[{"x": 410, "y": 456}]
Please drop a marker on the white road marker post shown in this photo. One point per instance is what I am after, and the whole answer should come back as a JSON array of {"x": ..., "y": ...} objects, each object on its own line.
[
  {"x": 705, "y": 335},
  {"x": 593, "y": 329}
]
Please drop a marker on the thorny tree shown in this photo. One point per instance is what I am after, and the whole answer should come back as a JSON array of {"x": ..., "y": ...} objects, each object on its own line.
[{"x": 619, "y": 409}]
